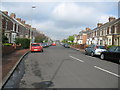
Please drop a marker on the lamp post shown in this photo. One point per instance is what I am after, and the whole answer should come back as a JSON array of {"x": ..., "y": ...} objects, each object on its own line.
[{"x": 31, "y": 34}]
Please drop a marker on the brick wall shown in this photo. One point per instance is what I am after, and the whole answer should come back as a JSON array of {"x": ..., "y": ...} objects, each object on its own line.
[
  {"x": 81, "y": 46},
  {"x": 9, "y": 49}
]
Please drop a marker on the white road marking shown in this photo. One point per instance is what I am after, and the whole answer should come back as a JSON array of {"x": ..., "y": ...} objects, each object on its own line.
[
  {"x": 106, "y": 71},
  {"x": 76, "y": 59}
]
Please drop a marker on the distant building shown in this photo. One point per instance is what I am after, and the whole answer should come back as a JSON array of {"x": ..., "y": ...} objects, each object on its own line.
[{"x": 81, "y": 38}]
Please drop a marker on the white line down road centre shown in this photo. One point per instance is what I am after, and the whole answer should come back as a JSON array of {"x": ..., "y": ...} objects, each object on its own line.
[
  {"x": 106, "y": 71},
  {"x": 76, "y": 59}
]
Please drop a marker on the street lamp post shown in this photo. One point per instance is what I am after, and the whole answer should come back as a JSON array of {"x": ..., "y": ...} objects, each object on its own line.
[{"x": 31, "y": 36}]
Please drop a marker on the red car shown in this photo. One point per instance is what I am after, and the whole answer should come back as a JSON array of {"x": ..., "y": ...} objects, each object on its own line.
[
  {"x": 36, "y": 47},
  {"x": 53, "y": 44}
]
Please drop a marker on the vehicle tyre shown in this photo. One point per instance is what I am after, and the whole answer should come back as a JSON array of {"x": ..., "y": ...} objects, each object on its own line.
[
  {"x": 102, "y": 56},
  {"x": 86, "y": 53},
  {"x": 42, "y": 50},
  {"x": 92, "y": 54}
]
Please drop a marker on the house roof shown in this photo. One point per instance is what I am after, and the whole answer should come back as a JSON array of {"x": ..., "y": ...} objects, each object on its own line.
[{"x": 106, "y": 25}]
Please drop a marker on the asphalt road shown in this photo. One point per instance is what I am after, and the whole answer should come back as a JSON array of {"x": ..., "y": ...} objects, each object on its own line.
[{"x": 68, "y": 68}]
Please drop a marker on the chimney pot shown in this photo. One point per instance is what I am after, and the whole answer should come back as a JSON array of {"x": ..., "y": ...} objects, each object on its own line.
[
  {"x": 12, "y": 15},
  {"x": 99, "y": 24},
  {"x": 5, "y": 12},
  {"x": 19, "y": 19},
  {"x": 87, "y": 29},
  {"x": 23, "y": 22}
]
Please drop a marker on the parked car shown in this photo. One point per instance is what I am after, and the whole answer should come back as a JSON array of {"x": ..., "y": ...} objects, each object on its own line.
[
  {"x": 45, "y": 45},
  {"x": 67, "y": 46},
  {"x": 112, "y": 54},
  {"x": 95, "y": 50},
  {"x": 36, "y": 47},
  {"x": 53, "y": 44}
]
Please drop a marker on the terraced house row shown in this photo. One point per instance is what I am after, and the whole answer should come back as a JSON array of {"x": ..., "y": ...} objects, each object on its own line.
[
  {"x": 103, "y": 34},
  {"x": 13, "y": 27}
]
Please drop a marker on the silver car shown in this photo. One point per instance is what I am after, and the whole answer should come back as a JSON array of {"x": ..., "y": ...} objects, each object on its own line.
[{"x": 94, "y": 50}]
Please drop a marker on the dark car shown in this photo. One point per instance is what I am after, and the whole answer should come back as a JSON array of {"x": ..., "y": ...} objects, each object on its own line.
[
  {"x": 44, "y": 45},
  {"x": 67, "y": 46},
  {"x": 112, "y": 54}
]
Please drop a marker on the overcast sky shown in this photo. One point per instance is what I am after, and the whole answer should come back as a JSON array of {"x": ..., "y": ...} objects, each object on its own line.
[{"x": 58, "y": 20}]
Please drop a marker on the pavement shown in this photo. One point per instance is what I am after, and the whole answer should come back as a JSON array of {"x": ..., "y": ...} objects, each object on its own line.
[
  {"x": 10, "y": 60},
  {"x": 82, "y": 50},
  {"x": 68, "y": 68}
]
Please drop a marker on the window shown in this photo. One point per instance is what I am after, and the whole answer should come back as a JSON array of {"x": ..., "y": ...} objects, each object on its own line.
[
  {"x": 15, "y": 27},
  {"x": 102, "y": 32},
  {"x": 113, "y": 29},
  {"x": 117, "y": 49},
  {"x": 109, "y": 41},
  {"x": 6, "y": 35},
  {"x": 35, "y": 45},
  {"x": 108, "y": 30}
]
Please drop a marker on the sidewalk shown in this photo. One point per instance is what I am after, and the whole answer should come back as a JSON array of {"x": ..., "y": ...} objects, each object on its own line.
[
  {"x": 82, "y": 50},
  {"x": 10, "y": 60}
]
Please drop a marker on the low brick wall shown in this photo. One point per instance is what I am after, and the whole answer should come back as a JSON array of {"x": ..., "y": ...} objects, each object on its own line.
[
  {"x": 80, "y": 46},
  {"x": 9, "y": 49}
]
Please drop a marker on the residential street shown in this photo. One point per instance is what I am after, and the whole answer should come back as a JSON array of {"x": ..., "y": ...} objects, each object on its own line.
[{"x": 68, "y": 68}]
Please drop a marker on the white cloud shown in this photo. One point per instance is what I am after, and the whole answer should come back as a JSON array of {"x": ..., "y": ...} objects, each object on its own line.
[{"x": 71, "y": 14}]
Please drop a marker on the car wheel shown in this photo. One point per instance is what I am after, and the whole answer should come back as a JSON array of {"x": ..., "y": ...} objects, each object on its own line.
[
  {"x": 102, "y": 56},
  {"x": 42, "y": 50},
  {"x": 86, "y": 53},
  {"x": 92, "y": 54}
]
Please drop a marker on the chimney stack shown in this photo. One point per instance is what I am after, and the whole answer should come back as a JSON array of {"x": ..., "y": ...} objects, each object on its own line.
[
  {"x": 23, "y": 22},
  {"x": 87, "y": 29},
  {"x": 12, "y": 15},
  {"x": 99, "y": 24},
  {"x": 19, "y": 19},
  {"x": 111, "y": 19},
  {"x": 5, "y": 12},
  {"x": 33, "y": 28}
]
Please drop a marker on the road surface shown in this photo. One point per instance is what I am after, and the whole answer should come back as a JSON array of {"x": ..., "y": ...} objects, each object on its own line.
[{"x": 68, "y": 68}]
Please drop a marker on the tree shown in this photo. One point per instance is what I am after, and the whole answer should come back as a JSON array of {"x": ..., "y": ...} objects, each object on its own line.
[
  {"x": 64, "y": 40},
  {"x": 40, "y": 38},
  {"x": 71, "y": 38}
]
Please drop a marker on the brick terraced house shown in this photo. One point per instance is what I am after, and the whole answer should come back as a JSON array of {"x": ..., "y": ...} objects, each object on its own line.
[
  {"x": 81, "y": 37},
  {"x": 13, "y": 27},
  {"x": 105, "y": 34}
]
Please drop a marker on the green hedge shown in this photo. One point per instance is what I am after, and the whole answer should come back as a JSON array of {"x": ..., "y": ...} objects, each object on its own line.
[
  {"x": 25, "y": 43},
  {"x": 110, "y": 46},
  {"x": 7, "y": 44}
]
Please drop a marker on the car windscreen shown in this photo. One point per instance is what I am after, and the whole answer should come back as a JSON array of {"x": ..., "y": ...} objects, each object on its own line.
[
  {"x": 35, "y": 45},
  {"x": 118, "y": 49},
  {"x": 44, "y": 43},
  {"x": 101, "y": 47}
]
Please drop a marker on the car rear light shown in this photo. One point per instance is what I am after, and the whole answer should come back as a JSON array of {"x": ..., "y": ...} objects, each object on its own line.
[{"x": 95, "y": 47}]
